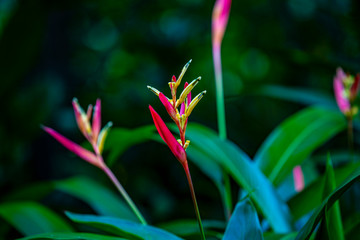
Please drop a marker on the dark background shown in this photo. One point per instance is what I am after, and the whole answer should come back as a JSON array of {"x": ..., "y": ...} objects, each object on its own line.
[{"x": 52, "y": 51}]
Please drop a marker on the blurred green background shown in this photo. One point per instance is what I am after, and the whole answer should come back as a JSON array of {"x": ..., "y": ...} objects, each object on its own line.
[{"x": 52, "y": 51}]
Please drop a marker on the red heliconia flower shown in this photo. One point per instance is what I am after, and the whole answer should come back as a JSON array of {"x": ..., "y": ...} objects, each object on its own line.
[
  {"x": 91, "y": 132},
  {"x": 184, "y": 101}
]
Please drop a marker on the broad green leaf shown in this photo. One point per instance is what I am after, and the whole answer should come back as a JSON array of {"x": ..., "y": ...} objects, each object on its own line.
[
  {"x": 332, "y": 221},
  {"x": 318, "y": 215},
  {"x": 122, "y": 228},
  {"x": 211, "y": 148},
  {"x": 298, "y": 95},
  {"x": 295, "y": 139},
  {"x": 275, "y": 236},
  {"x": 101, "y": 199},
  {"x": 352, "y": 225},
  {"x": 186, "y": 228},
  {"x": 32, "y": 218},
  {"x": 244, "y": 223},
  {"x": 71, "y": 236},
  {"x": 120, "y": 139},
  {"x": 311, "y": 196}
]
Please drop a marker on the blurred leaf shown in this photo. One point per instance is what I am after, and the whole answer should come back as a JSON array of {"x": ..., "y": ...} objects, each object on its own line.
[
  {"x": 32, "y": 218},
  {"x": 332, "y": 215},
  {"x": 352, "y": 225},
  {"x": 33, "y": 192},
  {"x": 316, "y": 217},
  {"x": 120, "y": 139},
  {"x": 101, "y": 199},
  {"x": 211, "y": 148},
  {"x": 295, "y": 139},
  {"x": 122, "y": 227},
  {"x": 275, "y": 236},
  {"x": 244, "y": 223},
  {"x": 186, "y": 228},
  {"x": 311, "y": 196},
  {"x": 297, "y": 95},
  {"x": 70, "y": 236}
]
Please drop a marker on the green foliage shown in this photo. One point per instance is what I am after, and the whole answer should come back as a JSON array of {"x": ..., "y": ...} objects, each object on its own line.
[
  {"x": 96, "y": 195},
  {"x": 295, "y": 139},
  {"x": 320, "y": 212},
  {"x": 122, "y": 227},
  {"x": 32, "y": 218},
  {"x": 244, "y": 172},
  {"x": 244, "y": 223},
  {"x": 68, "y": 236}
]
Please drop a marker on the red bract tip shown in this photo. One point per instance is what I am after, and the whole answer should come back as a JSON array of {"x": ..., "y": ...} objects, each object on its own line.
[
  {"x": 173, "y": 78},
  {"x": 96, "y": 123},
  {"x": 220, "y": 18},
  {"x": 75, "y": 148},
  {"x": 168, "y": 106},
  {"x": 168, "y": 138},
  {"x": 355, "y": 88}
]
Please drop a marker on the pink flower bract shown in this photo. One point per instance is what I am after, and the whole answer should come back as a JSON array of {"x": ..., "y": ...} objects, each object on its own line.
[{"x": 168, "y": 138}]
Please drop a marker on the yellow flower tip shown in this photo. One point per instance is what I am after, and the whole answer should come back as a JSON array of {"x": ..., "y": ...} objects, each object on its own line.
[
  {"x": 183, "y": 121},
  {"x": 154, "y": 90},
  {"x": 186, "y": 91},
  {"x": 102, "y": 136},
  {"x": 182, "y": 74},
  {"x": 194, "y": 102},
  {"x": 187, "y": 143}
]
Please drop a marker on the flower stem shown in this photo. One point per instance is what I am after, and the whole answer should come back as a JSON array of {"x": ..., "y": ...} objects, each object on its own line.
[
  {"x": 187, "y": 171},
  {"x": 220, "y": 105},
  {"x": 124, "y": 194},
  {"x": 350, "y": 137}
]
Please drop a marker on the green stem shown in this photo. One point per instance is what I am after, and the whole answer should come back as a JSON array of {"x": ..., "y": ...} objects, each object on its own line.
[
  {"x": 220, "y": 105},
  {"x": 187, "y": 171},
  {"x": 124, "y": 194},
  {"x": 227, "y": 196},
  {"x": 350, "y": 137}
]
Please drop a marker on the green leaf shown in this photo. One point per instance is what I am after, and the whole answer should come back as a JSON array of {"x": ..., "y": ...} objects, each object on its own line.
[
  {"x": 275, "y": 236},
  {"x": 295, "y": 139},
  {"x": 101, "y": 199},
  {"x": 316, "y": 217},
  {"x": 298, "y": 95},
  {"x": 32, "y": 218},
  {"x": 332, "y": 222},
  {"x": 70, "y": 236},
  {"x": 122, "y": 228},
  {"x": 211, "y": 148},
  {"x": 120, "y": 139},
  {"x": 187, "y": 228},
  {"x": 244, "y": 223},
  {"x": 311, "y": 196}
]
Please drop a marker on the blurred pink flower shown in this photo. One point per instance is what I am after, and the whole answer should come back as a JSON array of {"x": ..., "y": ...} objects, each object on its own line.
[
  {"x": 346, "y": 88},
  {"x": 220, "y": 18},
  {"x": 91, "y": 132},
  {"x": 298, "y": 178}
]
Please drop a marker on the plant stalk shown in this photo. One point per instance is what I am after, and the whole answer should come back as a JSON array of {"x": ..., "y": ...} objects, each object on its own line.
[
  {"x": 187, "y": 171},
  {"x": 350, "y": 137},
  {"x": 220, "y": 105},
  {"x": 124, "y": 194}
]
